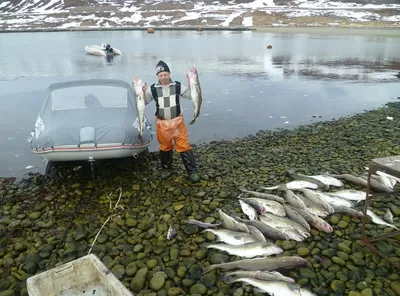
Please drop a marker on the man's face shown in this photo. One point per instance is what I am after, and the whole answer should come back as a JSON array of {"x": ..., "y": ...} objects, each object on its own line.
[{"x": 163, "y": 77}]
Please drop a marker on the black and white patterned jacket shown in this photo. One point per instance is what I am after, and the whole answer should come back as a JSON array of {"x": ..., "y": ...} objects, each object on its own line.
[{"x": 167, "y": 98}]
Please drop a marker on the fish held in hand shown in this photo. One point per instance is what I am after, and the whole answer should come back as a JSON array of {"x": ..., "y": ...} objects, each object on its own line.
[
  {"x": 195, "y": 91},
  {"x": 140, "y": 101}
]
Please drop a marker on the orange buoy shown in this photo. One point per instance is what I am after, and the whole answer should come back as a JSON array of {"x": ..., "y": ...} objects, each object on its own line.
[
  {"x": 150, "y": 30},
  {"x": 269, "y": 46}
]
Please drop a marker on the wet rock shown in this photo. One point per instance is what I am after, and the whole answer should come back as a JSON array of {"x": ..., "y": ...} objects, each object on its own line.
[
  {"x": 395, "y": 286},
  {"x": 80, "y": 233},
  {"x": 175, "y": 291},
  {"x": 152, "y": 263},
  {"x": 157, "y": 281},
  {"x": 307, "y": 273},
  {"x": 337, "y": 286},
  {"x": 118, "y": 271},
  {"x": 139, "y": 281},
  {"x": 199, "y": 289},
  {"x": 367, "y": 292},
  {"x": 303, "y": 252}
]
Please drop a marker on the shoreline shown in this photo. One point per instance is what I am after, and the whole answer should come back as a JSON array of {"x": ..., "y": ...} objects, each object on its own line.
[
  {"x": 46, "y": 222},
  {"x": 288, "y": 28},
  {"x": 36, "y": 216}
]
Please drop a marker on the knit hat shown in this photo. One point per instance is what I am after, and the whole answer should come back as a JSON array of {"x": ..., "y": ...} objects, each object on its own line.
[{"x": 162, "y": 67}]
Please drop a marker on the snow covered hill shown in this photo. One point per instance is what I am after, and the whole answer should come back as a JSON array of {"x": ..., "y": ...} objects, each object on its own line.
[{"x": 84, "y": 14}]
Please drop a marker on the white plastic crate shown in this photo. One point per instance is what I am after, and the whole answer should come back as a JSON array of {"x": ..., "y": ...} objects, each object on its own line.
[{"x": 84, "y": 276}]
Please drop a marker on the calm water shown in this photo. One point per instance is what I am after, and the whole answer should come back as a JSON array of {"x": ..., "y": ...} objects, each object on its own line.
[{"x": 246, "y": 87}]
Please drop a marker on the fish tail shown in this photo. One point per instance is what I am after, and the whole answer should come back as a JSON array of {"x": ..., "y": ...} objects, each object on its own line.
[
  {"x": 205, "y": 245},
  {"x": 270, "y": 188},
  {"x": 228, "y": 278},
  {"x": 210, "y": 268}
]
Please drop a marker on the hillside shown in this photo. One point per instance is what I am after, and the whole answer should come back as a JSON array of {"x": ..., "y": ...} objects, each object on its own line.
[{"x": 86, "y": 14}]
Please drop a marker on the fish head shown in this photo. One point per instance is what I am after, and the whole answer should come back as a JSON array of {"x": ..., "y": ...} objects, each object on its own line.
[{"x": 327, "y": 227}]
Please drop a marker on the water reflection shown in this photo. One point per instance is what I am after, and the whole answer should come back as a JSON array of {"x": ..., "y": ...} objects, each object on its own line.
[{"x": 246, "y": 87}]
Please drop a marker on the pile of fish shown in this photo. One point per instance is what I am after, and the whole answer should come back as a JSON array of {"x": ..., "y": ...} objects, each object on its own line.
[{"x": 288, "y": 217}]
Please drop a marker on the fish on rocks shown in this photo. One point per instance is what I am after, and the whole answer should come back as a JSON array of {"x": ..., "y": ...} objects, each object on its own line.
[
  {"x": 248, "y": 210},
  {"x": 230, "y": 237},
  {"x": 294, "y": 200},
  {"x": 335, "y": 200},
  {"x": 271, "y": 287},
  {"x": 349, "y": 194},
  {"x": 301, "y": 177},
  {"x": 328, "y": 180},
  {"x": 388, "y": 217},
  {"x": 362, "y": 181},
  {"x": 171, "y": 232},
  {"x": 377, "y": 220},
  {"x": 229, "y": 277},
  {"x": 347, "y": 210},
  {"x": 314, "y": 208},
  {"x": 268, "y": 231},
  {"x": 265, "y": 264},
  {"x": 263, "y": 206},
  {"x": 352, "y": 179},
  {"x": 313, "y": 196},
  {"x": 249, "y": 250},
  {"x": 315, "y": 221},
  {"x": 378, "y": 184},
  {"x": 230, "y": 223},
  {"x": 195, "y": 91},
  {"x": 263, "y": 195},
  {"x": 203, "y": 224},
  {"x": 257, "y": 234},
  {"x": 293, "y": 185},
  {"x": 293, "y": 229},
  {"x": 296, "y": 217},
  {"x": 140, "y": 101}
]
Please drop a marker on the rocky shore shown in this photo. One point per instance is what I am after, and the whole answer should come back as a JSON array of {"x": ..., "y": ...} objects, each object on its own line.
[{"x": 49, "y": 220}]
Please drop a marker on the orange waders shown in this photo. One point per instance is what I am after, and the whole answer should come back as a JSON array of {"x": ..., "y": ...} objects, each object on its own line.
[{"x": 174, "y": 130}]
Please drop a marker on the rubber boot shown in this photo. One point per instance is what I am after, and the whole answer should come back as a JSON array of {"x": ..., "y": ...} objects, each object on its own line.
[
  {"x": 189, "y": 162},
  {"x": 166, "y": 164}
]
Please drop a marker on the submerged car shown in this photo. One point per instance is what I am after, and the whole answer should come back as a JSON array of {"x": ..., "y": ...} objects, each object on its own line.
[{"x": 88, "y": 120}]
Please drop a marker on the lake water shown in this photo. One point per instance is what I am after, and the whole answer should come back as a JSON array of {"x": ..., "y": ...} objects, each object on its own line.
[{"x": 246, "y": 87}]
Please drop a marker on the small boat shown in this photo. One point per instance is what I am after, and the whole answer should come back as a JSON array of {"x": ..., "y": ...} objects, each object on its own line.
[
  {"x": 88, "y": 120},
  {"x": 102, "y": 50}
]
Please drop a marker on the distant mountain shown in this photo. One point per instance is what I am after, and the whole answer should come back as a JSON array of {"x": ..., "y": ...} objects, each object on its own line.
[{"x": 83, "y": 14}]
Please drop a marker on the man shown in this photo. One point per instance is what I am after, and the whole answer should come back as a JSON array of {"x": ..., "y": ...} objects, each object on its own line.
[{"x": 170, "y": 124}]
